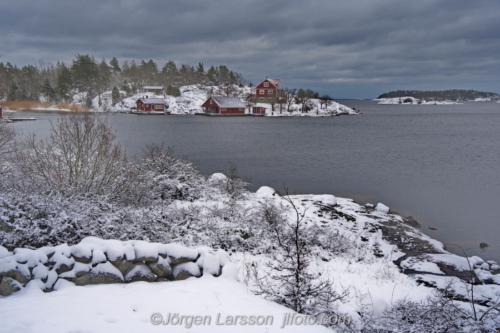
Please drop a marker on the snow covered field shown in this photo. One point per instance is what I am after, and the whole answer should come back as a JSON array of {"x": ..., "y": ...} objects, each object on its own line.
[{"x": 411, "y": 100}]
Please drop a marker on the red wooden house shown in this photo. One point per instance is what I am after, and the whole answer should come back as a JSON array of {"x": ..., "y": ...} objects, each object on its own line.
[
  {"x": 223, "y": 105},
  {"x": 267, "y": 91},
  {"x": 150, "y": 104}
]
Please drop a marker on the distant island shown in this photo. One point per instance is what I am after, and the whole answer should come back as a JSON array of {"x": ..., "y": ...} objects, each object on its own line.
[{"x": 444, "y": 95}]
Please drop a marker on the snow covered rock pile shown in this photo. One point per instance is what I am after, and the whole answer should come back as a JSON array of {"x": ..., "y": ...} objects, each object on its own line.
[{"x": 97, "y": 261}]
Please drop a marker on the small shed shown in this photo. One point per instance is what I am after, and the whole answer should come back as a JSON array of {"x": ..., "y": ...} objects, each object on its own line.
[
  {"x": 154, "y": 89},
  {"x": 224, "y": 105},
  {"x": 150, "y": 104}
]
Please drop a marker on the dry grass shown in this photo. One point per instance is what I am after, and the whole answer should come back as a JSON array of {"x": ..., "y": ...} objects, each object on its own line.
[{"x": 33, "y": 106}]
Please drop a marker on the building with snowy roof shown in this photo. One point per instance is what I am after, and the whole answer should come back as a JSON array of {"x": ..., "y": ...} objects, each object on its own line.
[
  {"x": 223, "y": 105},
  {"x": 150, "y": 104}
]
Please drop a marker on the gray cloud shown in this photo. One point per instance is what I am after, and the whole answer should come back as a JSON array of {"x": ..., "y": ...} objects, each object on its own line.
[{"x": 346, "y": 48}]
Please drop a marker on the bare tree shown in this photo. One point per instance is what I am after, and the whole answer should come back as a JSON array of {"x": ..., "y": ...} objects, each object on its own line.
[
  {"x": 230, "y": 90},
  {"x": 290, "y": 280},
  {"x": 325, "y": 100},
  {"x": 79, "y": 157},
  {"x": 249, "y": 101},
  {"x": 289, "y": 97}
]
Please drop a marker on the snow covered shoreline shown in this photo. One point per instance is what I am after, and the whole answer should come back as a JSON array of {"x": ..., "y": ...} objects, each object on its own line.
[
  {"x": 377, "y": 253},
  {"x": 193, "y": 96},
  {"x": 412, "y": 101}
]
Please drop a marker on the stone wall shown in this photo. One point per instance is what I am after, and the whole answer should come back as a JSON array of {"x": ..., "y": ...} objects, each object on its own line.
[{"x": 97, "y": 261}]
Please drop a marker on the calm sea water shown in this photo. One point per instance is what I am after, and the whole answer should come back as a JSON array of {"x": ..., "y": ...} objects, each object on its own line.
[{"x": 440, "y": 164}]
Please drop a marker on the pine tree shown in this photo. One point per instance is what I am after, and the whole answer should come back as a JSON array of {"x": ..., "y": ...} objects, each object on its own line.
[
  {"x": 103, "y": 79},
  {"x": 64, "y": 84},
  {"x": 115, "y": 95},
  {"x": 114, "y": 65},
  {"x": 85, "y": 74},
  {"x": 48, "y": 91},
  {"x": 170, "y": 74}
]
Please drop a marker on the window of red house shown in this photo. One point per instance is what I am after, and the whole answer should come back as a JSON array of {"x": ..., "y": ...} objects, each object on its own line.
[
  {"x": 266, "y": 84},
  {"x": 269, "y": 92}
]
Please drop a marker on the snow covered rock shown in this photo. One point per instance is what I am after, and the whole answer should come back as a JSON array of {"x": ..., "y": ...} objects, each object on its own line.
[
  {"x": 139, "y": 272},
  {"x": 265, "y": 191},
  {"x": 217, "y": 177},
  {"x": 122, "y": 264},
  {"x": 81, "y": 253},
  {"x": 160, "y": 268},
  {"x": 326, "y": 199},
  {"x": 180, "y": 254},
  {"x": 99, "y": 261},
  {"x": 145, "y": 251},
  {"x": 208, "y": 262},
  {"x": 101, "y": 274},
  {"x": 382, "y": 208},
  {"x": 8, "y": 286},
  {"x": 186, "y": 270},
  {"x": 9, "y": 267}
]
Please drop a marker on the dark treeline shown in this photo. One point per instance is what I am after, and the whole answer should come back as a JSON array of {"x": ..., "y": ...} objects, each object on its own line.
[
  {"x": 59, "y": 82},
  {"x": 453, "y": 95}
]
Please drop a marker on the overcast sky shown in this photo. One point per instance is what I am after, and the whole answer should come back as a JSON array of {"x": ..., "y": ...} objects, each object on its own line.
[{"x": 347, "y": 48}]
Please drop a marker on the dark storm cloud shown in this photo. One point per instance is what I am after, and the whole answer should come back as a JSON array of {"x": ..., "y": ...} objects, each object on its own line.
[{"x": 388, "y": 44}]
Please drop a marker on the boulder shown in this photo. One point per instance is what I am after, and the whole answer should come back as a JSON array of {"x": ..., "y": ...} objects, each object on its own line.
[
  {"x": 10, "y": 268},
  {"x": 104, "y": 273},
  {"x": 81, "y": 253},
  {"x": 8, "y": 286},
  {"x": 139, "y": 272},
  {"x": 98, "y": 257},
  {"x": 145, "y": 251},
  {"x": 382, "y": 208},
  {"x": 122, "y": 264},
  {"x": 186, "y": 270},
  {"x": 161, "y": 267},
  {"x": 64, "y": 266}
]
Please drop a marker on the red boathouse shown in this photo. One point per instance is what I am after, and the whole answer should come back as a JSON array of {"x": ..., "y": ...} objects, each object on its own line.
[
  {"x": 150, "y": 104},
  {"x": 223, "y": 105}
]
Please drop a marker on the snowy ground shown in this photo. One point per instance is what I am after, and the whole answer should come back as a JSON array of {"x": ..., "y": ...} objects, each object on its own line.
[
  {"x": 129, "y": 308},
  {"x": 401, "y": 100},
  {"x": 361, "y": 263}
]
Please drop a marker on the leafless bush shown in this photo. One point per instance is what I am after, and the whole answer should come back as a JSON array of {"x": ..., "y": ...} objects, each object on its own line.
[
  {"x": 79, "y": 157},
  {"x": 288, "y": 278},
  {"x": 439, "y": 313}
]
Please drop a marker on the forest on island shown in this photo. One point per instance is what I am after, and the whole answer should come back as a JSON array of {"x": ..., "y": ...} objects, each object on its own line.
[
  {"x": 57, "y": 83},
  {"x": 444, "y": 95}
]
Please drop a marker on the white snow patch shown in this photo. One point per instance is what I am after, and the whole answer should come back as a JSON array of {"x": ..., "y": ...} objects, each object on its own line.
[{"x": 382, "y": 208}]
